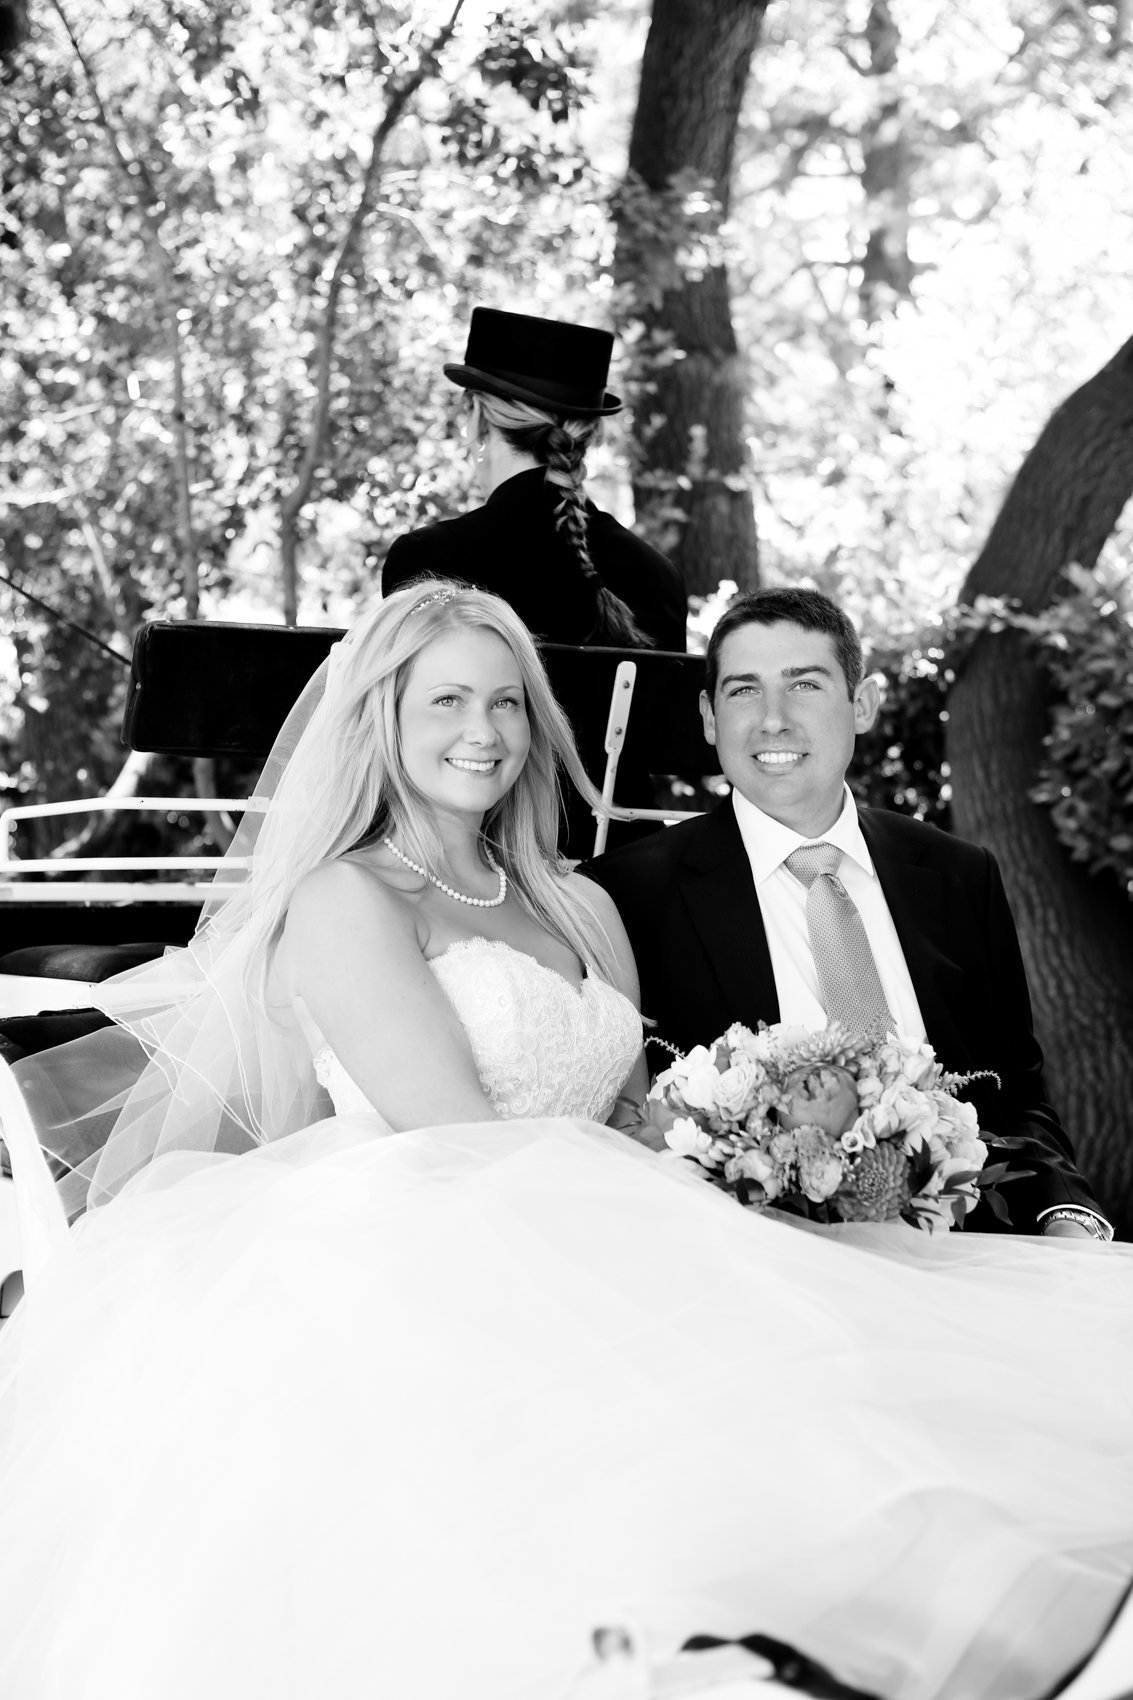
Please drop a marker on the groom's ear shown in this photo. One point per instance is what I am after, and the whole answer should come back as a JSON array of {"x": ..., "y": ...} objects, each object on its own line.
[
  {"x": 867, "y": 701},
  {"x": 708, "y": 718}
]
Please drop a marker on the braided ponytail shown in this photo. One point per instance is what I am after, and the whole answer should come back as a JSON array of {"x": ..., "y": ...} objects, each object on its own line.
[{"x": 560, "y": 445}]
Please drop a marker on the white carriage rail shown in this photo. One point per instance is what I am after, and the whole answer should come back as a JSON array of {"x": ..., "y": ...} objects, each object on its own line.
[
  {"x": 621, "y": 701},
  {"x": 64, "y": 889}
]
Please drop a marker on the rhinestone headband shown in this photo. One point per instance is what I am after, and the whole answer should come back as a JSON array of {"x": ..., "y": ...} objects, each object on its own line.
[{"x": 446, "y": 595}]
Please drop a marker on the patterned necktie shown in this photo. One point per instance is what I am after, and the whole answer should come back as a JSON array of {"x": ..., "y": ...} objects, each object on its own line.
[{"x": 847, "y": 973}]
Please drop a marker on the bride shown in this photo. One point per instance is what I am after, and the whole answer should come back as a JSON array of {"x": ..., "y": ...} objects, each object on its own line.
[{"x": 381, "y": 1364}]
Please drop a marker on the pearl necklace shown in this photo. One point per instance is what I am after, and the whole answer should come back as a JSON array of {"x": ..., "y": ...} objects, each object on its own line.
[{"x": 460, "y": 896}]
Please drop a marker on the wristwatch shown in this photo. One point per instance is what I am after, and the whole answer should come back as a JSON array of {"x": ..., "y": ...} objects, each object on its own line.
[{"x": 1094, "y": 1225}]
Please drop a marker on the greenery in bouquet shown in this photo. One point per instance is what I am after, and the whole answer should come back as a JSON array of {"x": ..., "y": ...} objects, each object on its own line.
[{"x": 828, "y": 1125}]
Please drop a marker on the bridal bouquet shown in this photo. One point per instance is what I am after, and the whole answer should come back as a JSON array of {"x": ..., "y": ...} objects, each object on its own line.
[{"x": 837, "y": 1128}]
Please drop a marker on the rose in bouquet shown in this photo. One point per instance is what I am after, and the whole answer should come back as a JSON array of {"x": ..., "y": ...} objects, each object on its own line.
[{"x": 834, "y": 1127}]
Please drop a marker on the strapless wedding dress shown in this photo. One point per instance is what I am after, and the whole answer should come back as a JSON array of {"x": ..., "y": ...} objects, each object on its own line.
[{"x": 377, "y": 1416}]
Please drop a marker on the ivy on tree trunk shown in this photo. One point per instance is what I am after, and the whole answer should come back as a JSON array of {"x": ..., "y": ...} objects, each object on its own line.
[
  {"x": 692, "y": 486},
  {"x": 1076, "y": 929}
]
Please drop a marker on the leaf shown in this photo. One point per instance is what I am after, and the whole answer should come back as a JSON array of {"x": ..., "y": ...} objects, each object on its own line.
[
  {"x": 1056, "y": 1161},
  {"x": 998, "y": 1206},
  {"x": 1000, "y": 1173}
]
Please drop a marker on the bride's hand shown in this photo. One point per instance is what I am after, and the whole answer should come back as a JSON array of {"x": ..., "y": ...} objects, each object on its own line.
[{"x": 628, "y": 1116}]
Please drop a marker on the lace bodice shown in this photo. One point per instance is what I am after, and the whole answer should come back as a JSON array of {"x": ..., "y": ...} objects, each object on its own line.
[{"x": 542, "y": 1046}]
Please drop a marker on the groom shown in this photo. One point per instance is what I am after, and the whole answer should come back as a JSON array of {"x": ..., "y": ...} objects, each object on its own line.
[{"x": 895, "y": 918}]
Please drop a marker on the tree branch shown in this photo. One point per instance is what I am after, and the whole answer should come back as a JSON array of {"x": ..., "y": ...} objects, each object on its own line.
[
  {"x": 400, "y": 96},
  {"x": 1067, "y": 495},
  {"x": 110, "y": 592},
  {"x": 851, "y": 58},
  {"x": 151, "y": 206},
  {"x": 101, "y": 827}
]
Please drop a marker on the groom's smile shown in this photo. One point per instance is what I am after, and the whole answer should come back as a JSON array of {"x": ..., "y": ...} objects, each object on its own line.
[{"x": 783, "y": 720}]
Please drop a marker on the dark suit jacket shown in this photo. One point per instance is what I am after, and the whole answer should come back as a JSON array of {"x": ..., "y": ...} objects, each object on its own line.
[
  {"x": 688, "y": 900},
  {"x": 510, "y": 546}
]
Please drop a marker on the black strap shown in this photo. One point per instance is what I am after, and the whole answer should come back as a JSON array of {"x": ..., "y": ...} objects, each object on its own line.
[
  {"x": 64, "y": 621},
  {"x": 792, "y": 1668}
]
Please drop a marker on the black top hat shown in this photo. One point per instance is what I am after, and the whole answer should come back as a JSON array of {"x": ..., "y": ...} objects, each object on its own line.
[{"x": 556, "y": 366}]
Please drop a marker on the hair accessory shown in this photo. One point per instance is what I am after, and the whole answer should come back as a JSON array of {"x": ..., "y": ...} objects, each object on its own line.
[
  {"x": 450, "y": 891},
  {"x": 448, "y": 594}
]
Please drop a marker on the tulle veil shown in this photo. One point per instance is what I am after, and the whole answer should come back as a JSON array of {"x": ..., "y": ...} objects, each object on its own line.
[
  {"x": 193, "y": 1062},
  {"x": 205, "y": 1053}
]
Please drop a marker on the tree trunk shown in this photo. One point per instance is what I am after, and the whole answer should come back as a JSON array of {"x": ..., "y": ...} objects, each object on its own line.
[
  {"x": 182, "y": 472},
  {"x": 887, "y": 275},
  {"x": 1076, "y": 929},
  {"x": 692, "y": 486},
  {"x": 13, "y": 26}
]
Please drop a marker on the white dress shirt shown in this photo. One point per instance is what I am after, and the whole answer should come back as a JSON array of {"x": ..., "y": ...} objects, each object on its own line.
[{"x": 782, "y": 903}]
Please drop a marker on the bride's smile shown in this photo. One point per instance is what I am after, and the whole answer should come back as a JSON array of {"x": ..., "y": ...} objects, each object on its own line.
[{"x": 463, "y": 723}]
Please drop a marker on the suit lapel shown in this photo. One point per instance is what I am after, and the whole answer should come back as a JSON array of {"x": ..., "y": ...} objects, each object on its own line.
[
  {"x": 719, "y": 893},
  {"x": 915, "y": 893}
]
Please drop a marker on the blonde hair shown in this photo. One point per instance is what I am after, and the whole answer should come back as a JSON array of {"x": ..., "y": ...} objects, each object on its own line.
[
  {"x": 206, "y": 1053},
  {"x": 559, "y": 443},
  {"x": 346, "y": 783}
]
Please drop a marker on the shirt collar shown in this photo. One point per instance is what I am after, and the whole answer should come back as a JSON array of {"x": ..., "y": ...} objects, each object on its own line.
[{"x": 768, "y": 842}]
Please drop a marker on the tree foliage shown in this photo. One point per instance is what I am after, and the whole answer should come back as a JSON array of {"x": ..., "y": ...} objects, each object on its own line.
[
  {"x": 884, "y": 431},
  {"x": 881, "y": 438},
  {"x": 1083, "y": 644},
  {"x": 193, "y": 307},
  {"x": 924, "y": 244},
  {"x": 1086, "y": 777}
]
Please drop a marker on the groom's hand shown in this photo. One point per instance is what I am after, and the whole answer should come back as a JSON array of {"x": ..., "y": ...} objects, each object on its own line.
[{"x": 1066, "y": 1231}]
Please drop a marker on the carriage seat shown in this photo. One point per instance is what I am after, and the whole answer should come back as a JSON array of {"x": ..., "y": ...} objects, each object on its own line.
[
  {"x": 254, "y": 675},
  {"x": 24, "y": 1035},
  {"x": 89, "y": 962}
]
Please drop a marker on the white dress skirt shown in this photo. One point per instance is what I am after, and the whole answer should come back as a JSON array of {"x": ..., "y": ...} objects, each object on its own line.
[{"x": 376, "y": 1416}]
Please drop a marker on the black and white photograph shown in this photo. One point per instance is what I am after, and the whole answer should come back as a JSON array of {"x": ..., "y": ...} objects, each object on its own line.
[{"x": 566, "y": 850}]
